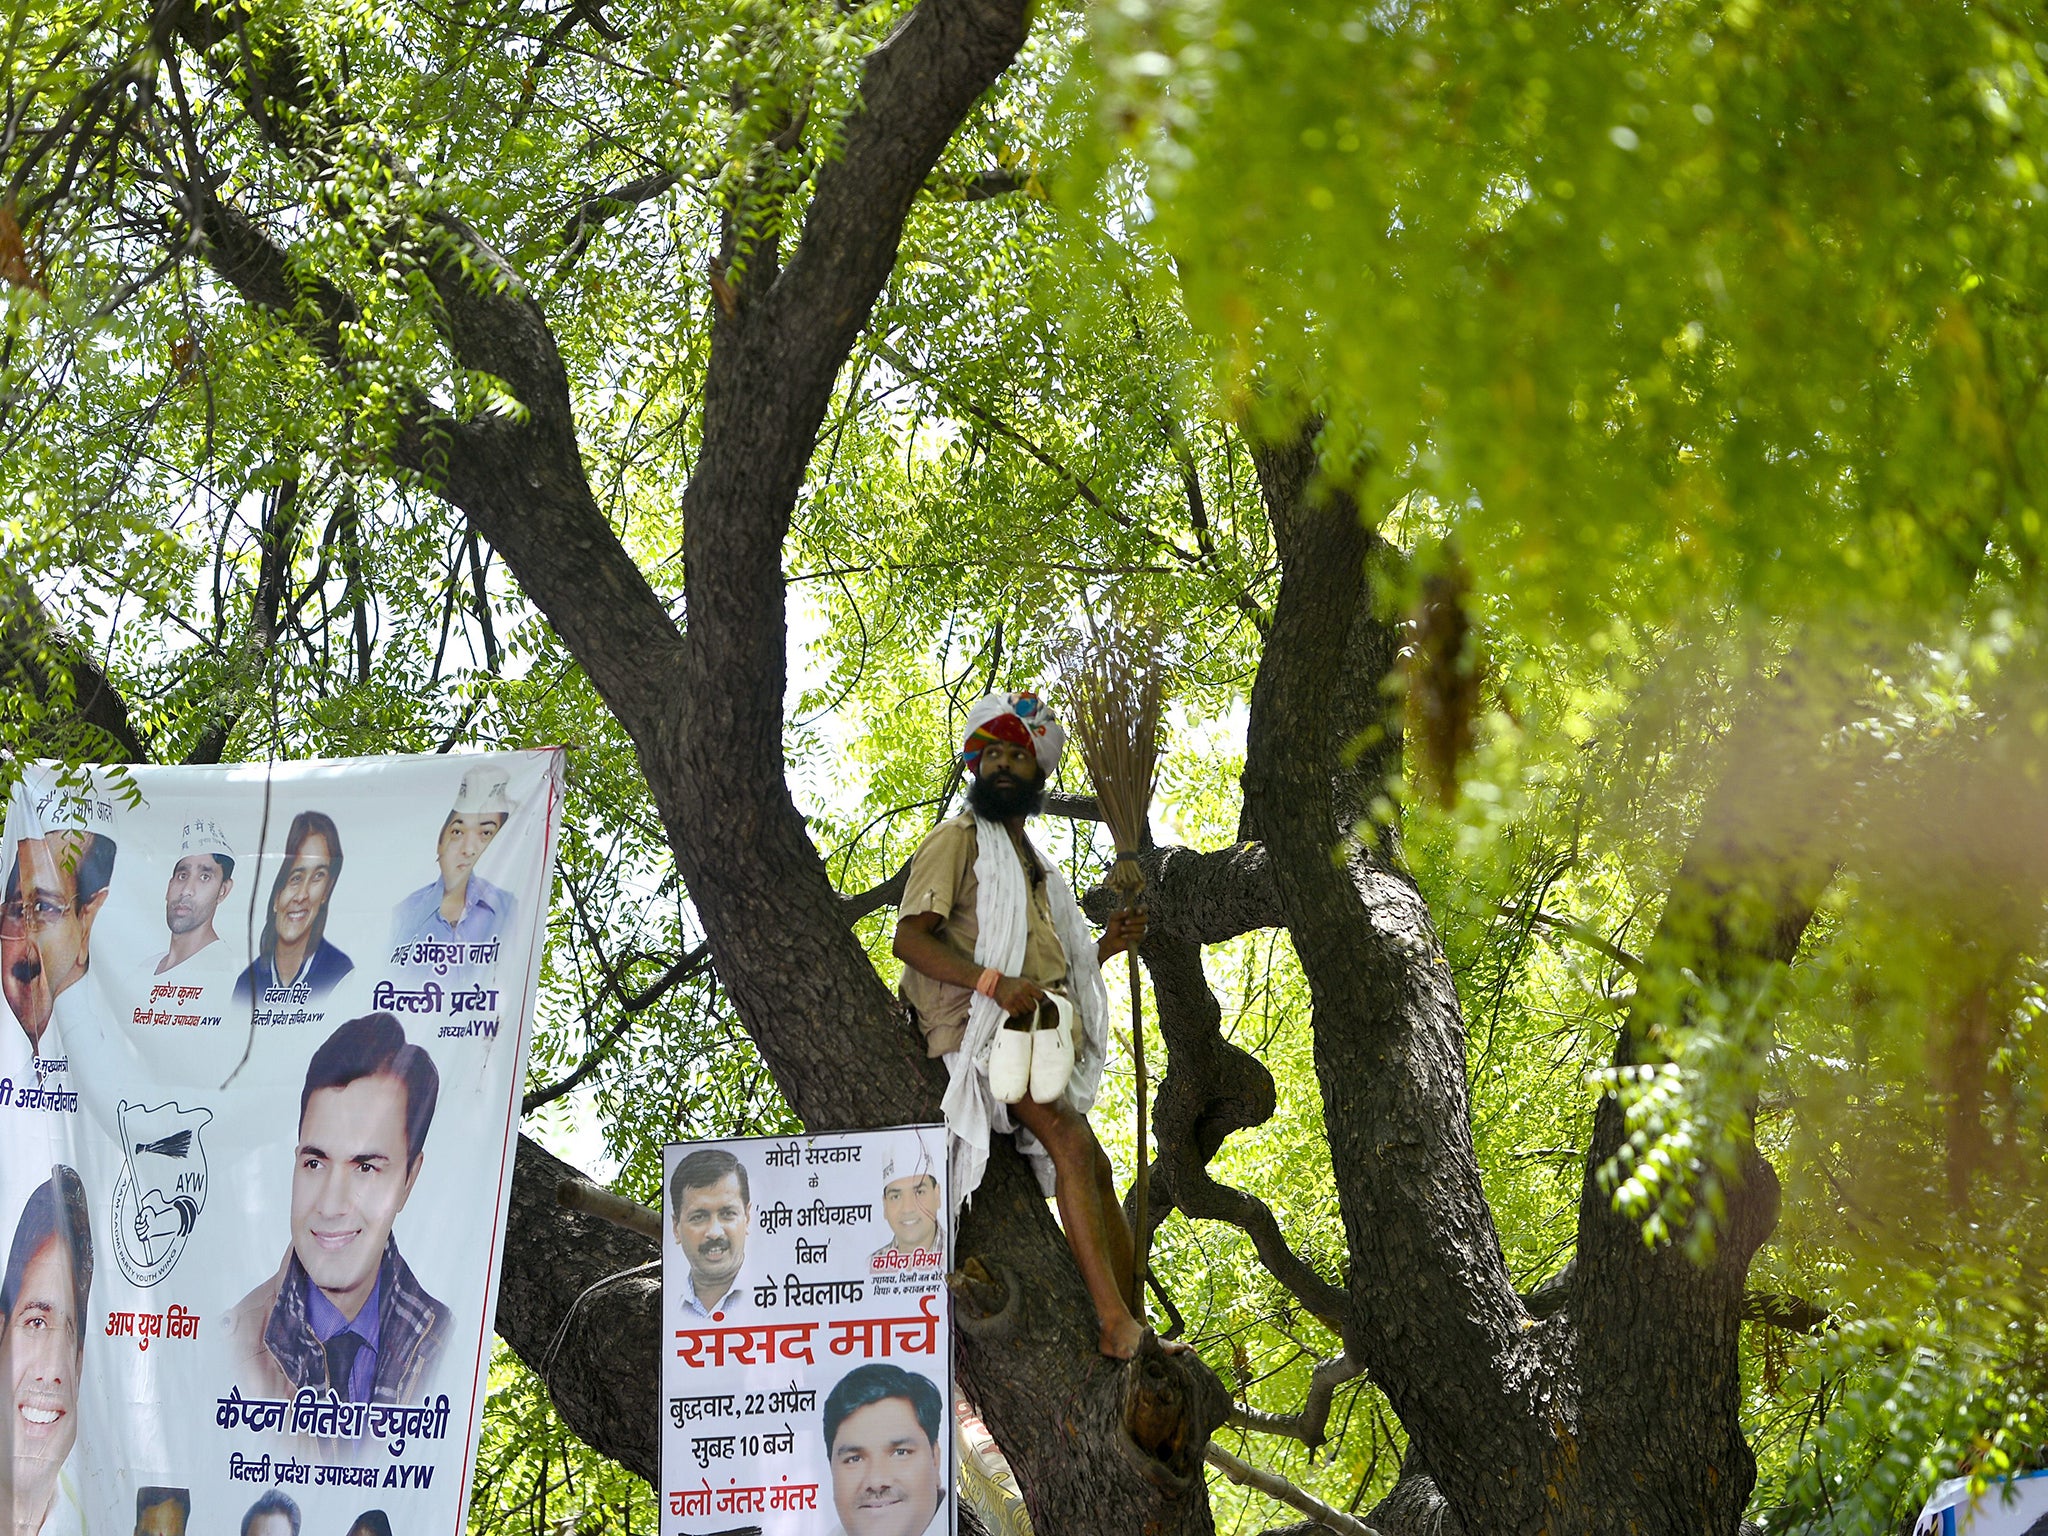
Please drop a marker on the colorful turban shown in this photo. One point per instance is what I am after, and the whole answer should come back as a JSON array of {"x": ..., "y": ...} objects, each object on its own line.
[{"x": 1021, "y": 720}]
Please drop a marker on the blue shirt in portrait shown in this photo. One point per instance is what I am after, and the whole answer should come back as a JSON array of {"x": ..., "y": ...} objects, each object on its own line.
[
  {"x": 486, "y": 912},
  {"x": 327, "y": 1321}
]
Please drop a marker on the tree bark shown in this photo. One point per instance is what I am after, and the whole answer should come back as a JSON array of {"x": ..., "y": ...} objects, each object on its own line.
[
  {"x": 1658, "y": 1334},
  {"x": 1613, "y": 1407},
  {"x": 1433, "y": 1311},
  {"x": 44, "y": 663},
  {"x": 580, "y": 1303}
]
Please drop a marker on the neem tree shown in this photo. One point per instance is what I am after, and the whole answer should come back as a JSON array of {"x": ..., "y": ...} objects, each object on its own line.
[{"x": 1692, "y": 356}]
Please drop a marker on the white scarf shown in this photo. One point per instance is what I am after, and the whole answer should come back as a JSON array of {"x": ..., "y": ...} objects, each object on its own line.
[{"x": 1003, "y": 909}]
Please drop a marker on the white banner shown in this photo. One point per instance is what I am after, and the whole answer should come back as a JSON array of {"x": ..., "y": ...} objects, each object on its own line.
[
  {"x": 807, "y": 1386},
  {"x": 261, "y": 1051},
  {"x": 2016, "y": 1506}
]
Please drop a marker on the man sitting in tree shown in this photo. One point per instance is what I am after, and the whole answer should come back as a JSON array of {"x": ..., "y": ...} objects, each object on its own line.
[{"x": 987, "y": 928}]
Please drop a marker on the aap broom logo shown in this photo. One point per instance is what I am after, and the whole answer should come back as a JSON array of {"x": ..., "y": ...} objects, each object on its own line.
[{"x": 162, "y": 1188}]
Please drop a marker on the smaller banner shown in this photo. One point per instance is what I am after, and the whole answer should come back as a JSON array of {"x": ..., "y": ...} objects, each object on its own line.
[
  {"x": 2006, "y": 1507},
  {"x": 807, "y": 1389}
]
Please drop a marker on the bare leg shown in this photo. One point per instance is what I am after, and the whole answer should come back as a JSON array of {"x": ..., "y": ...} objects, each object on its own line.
[
  {"x": 1093, "y": 1220},
  {"x": 1122, "y": 1258}
]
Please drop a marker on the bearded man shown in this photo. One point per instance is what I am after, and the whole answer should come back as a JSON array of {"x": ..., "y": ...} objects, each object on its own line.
[{"x": 989, "y": 927}]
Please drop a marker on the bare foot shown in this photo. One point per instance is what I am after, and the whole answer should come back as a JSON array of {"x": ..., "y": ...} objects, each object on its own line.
[{"x": 1120, "y": 1339}]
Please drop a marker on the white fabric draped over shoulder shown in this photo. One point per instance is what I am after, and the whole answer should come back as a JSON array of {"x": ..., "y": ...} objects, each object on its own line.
[{"x": 973, "y": 1113}]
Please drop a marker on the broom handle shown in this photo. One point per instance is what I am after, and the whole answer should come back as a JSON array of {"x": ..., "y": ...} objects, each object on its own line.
[{"x": 1141, "y": 1186}]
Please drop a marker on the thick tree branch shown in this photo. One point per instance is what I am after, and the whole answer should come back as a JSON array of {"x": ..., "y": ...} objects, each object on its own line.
[
  {"x": 705, "y": 711},
  {"x": 690, "y": 963},
  {"x": 1322, "y": 1517},
  {"x": 980, "y": 186},
  {"x": 268, "y": 278},
  {"x": 1207, "y": 898},
  {"x": 39, "y": 658},
  {"x": 593, "y": 213},
  {"x": 580, "y": 1303},
  {"x": 1567, "y": 928},
  {"x": 1794, "y": 1314},
  {"x": 1211, "y": 1089},
  {"x": 799, "y": 979},
  {"x": 1433, "y": 1313},
  {"x": 1311, "y": 1424},
  {"x": 521, "y": 482},
  {"x": 1414, "y": 1506},
  {"x": 581, "y": 1195},
  {"x": 829, "y": 1029}
]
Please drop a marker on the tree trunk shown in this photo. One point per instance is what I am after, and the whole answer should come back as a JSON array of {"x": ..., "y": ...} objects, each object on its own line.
[
  {"x": 1617, "y": 1411},
  {"x": 704, "y": 709},
  {"x": 580, "y": 1304},
  {"x": 1659, "y": 1335},
  {"x": 1433, "y": 1310}
]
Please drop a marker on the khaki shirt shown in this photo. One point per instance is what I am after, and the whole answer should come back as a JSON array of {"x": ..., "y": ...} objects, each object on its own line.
[{"x": 941, "y": 880}]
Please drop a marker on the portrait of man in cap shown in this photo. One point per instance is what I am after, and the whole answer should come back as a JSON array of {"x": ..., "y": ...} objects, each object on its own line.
[
  {"x": 459, "y": 904},
  {"x": 200, "y": 881},
  {"x": 910, "y": 1204},
  {"x": 56, "y": 885}
]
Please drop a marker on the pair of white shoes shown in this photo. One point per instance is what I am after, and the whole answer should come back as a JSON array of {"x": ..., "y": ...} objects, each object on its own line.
[{"x": 1034, "y": 1053}]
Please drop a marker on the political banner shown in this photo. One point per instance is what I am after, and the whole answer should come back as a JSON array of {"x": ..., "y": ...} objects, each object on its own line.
[
  {"x": 2014, "y": 1506},
  {"x": 807, "y": 1378},
  {"x": 262, "y": 1036}
]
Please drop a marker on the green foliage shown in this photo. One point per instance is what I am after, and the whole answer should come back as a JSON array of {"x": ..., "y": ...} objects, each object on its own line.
[
  {"x": 1710, "y": 333},
  {"x": 1706, "y": 303},
  {"x": 1707, "y": 334},
  {"x": 533, "y": 1478}
]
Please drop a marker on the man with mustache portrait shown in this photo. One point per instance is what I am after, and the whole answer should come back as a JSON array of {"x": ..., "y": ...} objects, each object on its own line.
[
  {"x": 201, "y": 880},
  {"x": 56, "y": 885},
  {"x": 43, "y": 1309},
  {"x": 711, "y": 1211},
  {"x": 884, "y": 1429}
]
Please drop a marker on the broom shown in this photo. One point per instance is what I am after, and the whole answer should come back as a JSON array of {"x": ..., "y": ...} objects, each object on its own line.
[{"x": 1113, "y": 680}]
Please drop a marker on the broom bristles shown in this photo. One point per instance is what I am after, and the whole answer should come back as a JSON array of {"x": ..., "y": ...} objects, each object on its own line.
[{"x": 1114, "y": 688}]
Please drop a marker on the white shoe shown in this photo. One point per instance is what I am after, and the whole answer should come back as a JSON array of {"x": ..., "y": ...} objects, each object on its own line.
[
  {"x": 1009, "y": 1061},
  {"x": 1052, "y": 1049}
]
